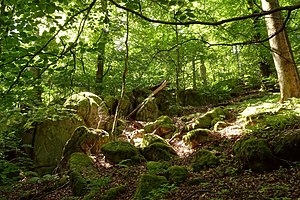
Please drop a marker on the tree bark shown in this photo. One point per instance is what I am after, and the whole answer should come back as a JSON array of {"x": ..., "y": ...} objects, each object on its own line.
[{"x": 288, "y": 76}]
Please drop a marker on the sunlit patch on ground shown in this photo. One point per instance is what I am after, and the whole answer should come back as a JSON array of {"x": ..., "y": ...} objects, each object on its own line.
[{"x": 182, "y": 149}]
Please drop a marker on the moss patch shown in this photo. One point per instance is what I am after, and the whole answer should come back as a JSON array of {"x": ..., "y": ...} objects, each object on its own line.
[
  {"x": 254, "y": 154},
  {"x": 147, "y": 184},
  {"x": 117, "y": 151},
  {"x": 177, "y": 174},
  {"x": 203, "y": 160},
  {"x": 113, "y": 193},
  {"x": 157, "y": 168},
  {"x": 195, "y": 137}
]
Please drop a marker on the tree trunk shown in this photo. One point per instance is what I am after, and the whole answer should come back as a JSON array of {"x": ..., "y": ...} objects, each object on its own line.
[
  {"x": 194, "y": 74},
  {"x": 288, "y": 76},
  {"x": 203, "y": 72}
]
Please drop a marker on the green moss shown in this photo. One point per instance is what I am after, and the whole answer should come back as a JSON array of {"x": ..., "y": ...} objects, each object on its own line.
[
  {"x": 254, "y": 154},
  {"x": 78, "y": 183},
  {"x": 158, "y": 151},
  {"x": 149, "y": 139},
  {"x": 160, "y": 167},
  {"x": 112, "y": 193},
  {"x": 177, "y": 174},
  {"x": 79, "y": 161},
  {"x": 147, "y": 184},
  {"x": 117, "y": 151},
  {"x": 149, "y": 112},
  {"x": 203, "y": 160},
  {"x": 162, "y": 126},
  {"x": 195, "y": 137},
  {"x": 287, "y": 145}
]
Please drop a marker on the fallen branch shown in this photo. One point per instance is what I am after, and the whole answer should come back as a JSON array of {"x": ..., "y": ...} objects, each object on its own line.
[{"x": 142, "y": 105}]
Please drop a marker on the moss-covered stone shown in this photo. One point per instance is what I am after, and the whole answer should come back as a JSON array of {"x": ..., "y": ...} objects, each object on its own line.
[
  {"x": 177, "y": 174},
  {"x": 287, "y": 145},
  {"x": 117, "y": 151},
  {"x": 90, "y": 108},
  {"x": 158, "y": 152},
  {"x": 81, "y": 168},
  {"x": 254, "y": 154},
  {"x": 207, "y": 120},
  {"x": 149, "y": 139},
  {"x": 149, "y": 111},
  {"x": 88, "y": 141},
  {"x": 148, "y": 183},
  {"x": 195, "y": 137},
  {"x": 111, "y": 103},
  {"x": 203, "y": 160},
  {"x": 125, "y": 106},
  {"x": 157, "y": 167},
  {"x": 113, "y": 193},
  {"x": 162, "y": 126}
]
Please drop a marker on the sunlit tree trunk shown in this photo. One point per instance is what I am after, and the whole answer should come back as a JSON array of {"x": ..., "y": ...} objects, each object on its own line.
[
  {"x": 288, "y": 76},
  {"x": 178, "y": 64},
  {"x": 194, "y": 74},
  {"x": 203, "y": 72},
  {"x": 101, "y": 50}
]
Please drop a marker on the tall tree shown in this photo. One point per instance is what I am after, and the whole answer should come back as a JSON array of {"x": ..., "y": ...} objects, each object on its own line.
[{"x": 288, "y": 76}]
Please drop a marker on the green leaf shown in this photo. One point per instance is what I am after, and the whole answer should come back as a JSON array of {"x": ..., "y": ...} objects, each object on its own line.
[{"x": 183, "y": 17}]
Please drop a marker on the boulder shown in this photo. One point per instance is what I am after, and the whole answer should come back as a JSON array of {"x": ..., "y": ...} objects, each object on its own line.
[
  {"x": 254, "y": 154},
  {"x": 148, "y": 183},
  {"x": 48, "y": 140},
  {"x": 203, "y": 160},
  {"x": 111, "y": 103},
  {"x": 198, "y": 136},
  {"x": 118, "y": 151},
  {"x": 155, "y": 148},
  {"x": 149, "y": 112},
  {"x": 208, "y": 120},
  {"x": 81, "y": 172},
  {"x": 87, "y": 141},
  {"x": 287, "y": 145},
  {"x": 90, "y": 108},
  {"x": 177, "y": 174},
  {"x": 162, "y": 126}
]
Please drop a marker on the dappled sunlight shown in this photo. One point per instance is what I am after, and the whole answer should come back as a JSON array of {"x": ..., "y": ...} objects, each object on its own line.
[{"x": 182, "y": 149}]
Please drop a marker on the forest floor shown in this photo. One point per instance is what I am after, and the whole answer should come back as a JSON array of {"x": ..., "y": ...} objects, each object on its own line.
[{"x": 226, "y": 181}]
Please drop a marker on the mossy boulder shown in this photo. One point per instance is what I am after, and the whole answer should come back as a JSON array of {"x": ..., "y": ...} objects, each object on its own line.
[
  {"x": 90, "y": 108},
  {"x": 155, "y": 148},
  {"x": 254, "y": 154},
  {"x": 287, "y": 145},
  {"x": 87, "y": 141},
  {"x": 148, "y": 183},
  {"x": 177, "y": 174},
  {"x": 150, "y": 138},
  {"x": 48, "y": 140},
  {"x": 149, "y": 112},
  {"x": 198, "y": 136},
  {"x": 113, "y": 193},
  {"x": 162, "y": 126},
  {"x": 208, "y": 120},
  {"x": 111, "y": 103},
  {"x": 158, "y": 152},
  {"x": 204, "y": 160},
  {"x": 81, "y": 172},
  {"x": 117, "y": 151},
  {"x": 125, "y": 106},
  {"x": 157, "y": 167}
]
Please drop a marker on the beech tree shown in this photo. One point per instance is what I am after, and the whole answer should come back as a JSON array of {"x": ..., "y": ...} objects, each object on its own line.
[{"x": 288, "y": 76}]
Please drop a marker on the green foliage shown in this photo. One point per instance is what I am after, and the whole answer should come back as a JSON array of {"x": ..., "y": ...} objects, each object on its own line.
[
  {"x": 112, "y": 193},
  {"x": 159, "y": 193},
  {"x": 9, "y": 172},
  {"x": 158, "y": 168}
]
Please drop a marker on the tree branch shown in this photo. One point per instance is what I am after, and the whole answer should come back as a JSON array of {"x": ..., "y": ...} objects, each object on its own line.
[
  {"x": 287, "y": 8},
  {"x": 45, "y": 45}
]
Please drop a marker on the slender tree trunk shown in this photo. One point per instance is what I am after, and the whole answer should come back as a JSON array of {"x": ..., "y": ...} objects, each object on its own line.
[
  {"x": 194, "y": 74},
  {"x": 178, "y": 65},
  {"x": 203, "y": 72},
  {"x": 288, "y": 76},
  {"x": 101, "y": 50}
]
